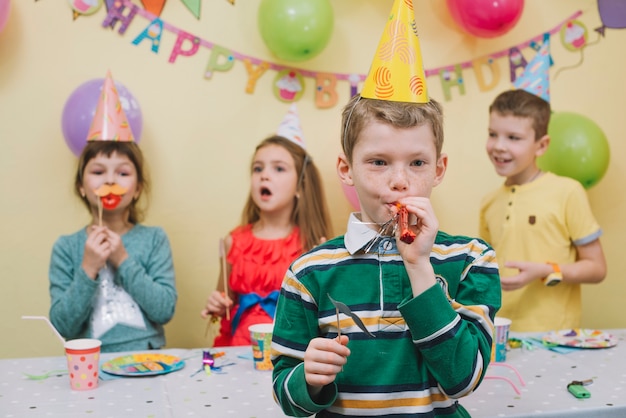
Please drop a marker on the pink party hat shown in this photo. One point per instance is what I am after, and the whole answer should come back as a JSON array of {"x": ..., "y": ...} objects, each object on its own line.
[
  {"x": 109, "y": 122},
  {"x": 397, "y": 72},
  {"x": 290, "y": 127},
  {"x": 535, "y": 78}
]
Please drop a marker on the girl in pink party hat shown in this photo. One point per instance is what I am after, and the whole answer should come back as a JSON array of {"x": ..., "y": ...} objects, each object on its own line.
[
  {"x": 112, "y": 280},
  {"x": 285, "y": 215}
]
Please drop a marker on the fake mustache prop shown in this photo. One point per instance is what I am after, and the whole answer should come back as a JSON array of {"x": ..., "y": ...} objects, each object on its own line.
[{"x": 110, "y": 195}]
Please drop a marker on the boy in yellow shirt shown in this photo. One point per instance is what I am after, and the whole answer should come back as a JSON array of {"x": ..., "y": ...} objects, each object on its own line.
[{"x": 540, "y": 224}]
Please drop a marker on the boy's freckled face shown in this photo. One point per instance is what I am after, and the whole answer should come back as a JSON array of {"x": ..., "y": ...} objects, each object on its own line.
[
  {"x": 390, "y": 163},
  {"x": 512, "y": 148}
]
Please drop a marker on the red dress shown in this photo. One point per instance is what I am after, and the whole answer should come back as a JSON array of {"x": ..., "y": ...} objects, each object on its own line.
[{"x": 258, "y": 266}]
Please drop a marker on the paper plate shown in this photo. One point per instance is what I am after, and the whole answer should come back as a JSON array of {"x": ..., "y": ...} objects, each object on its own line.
[
  {"x": 143, "y": 364},
  {"x": 581, "y": 338}
]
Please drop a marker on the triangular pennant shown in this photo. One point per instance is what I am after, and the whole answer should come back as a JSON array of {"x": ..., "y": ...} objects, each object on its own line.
[
  {"x": 153, "y": 6},
  {"x": 193, "y": 6}
]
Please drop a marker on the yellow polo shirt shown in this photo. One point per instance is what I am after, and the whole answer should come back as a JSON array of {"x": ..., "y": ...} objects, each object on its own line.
[{"x": 540, "y": 221}]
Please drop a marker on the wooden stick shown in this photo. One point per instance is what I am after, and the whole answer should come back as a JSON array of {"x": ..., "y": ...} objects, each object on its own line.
[
  {"x": 99, "y": 211},
  {"x": 224, "y": 273},
  {"x": 208, "y": 325}
]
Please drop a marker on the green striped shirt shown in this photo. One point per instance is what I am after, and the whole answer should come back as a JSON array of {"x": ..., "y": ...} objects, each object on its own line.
[{"x": 428, "y": 350}]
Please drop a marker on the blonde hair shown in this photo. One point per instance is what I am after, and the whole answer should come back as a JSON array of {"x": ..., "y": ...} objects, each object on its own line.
[
  {"x": 522, "y": 104},
  {"x": 107, "y": 148},
  {"x": 359, "y": 111},
  {"x": 310, "y": 212}
]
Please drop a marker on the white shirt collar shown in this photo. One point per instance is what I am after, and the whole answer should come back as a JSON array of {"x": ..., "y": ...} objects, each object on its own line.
[{"x": 358, "y": 234}]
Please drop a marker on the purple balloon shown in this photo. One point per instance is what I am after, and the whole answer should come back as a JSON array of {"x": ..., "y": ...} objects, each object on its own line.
[
  {"x": 613, "y": 13},
  {"x": 80, "y": 109}
]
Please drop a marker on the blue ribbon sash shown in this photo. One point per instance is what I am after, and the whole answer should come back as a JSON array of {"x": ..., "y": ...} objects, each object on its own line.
[{"x": 248, "y": 300}]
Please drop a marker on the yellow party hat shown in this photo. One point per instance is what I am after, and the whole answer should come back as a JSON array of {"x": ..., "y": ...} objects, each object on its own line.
[
  {"x": 109, "y": 123},
  {"x": 397, "y": 73}
]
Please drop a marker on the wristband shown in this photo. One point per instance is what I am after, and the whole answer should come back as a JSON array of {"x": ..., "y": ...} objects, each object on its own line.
[{"x": 553, "y": 278}]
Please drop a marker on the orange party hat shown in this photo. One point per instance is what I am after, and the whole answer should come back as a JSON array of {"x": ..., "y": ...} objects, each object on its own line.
[
  {"x": 290, "y": 127},
  {"x": 397, "y": 72},
  {"x": 109, "y": 122}
]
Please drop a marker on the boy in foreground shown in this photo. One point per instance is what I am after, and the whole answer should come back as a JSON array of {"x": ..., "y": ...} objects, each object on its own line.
[
  {"x": 429, "y": 304},
  {"x": 416, "y": 324}
]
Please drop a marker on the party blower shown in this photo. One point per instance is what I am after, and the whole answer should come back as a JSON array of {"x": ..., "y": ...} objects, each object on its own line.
[{"x": 83, "y": 355}]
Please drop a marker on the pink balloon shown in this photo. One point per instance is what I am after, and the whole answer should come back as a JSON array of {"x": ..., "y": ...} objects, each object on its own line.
[
  {"x": 486, "y": 18},
  {"x": 350, "y": 193},
  {"x": 5, "y": 9},
  {"x": 80, "y": 109}
]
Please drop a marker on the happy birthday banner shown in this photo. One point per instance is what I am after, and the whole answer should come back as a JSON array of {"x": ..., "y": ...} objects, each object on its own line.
[{"x": 289, "y": 84}]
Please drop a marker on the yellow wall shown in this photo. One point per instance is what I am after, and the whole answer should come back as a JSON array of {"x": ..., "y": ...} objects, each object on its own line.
[{"x": 199, "y": 135}]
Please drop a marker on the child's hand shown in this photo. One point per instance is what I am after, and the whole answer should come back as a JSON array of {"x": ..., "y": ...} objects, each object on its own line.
[
  {"x": 416, "y": 255},
  {"x": 425, "y": 230},
  {"x": 528, "y": 272},
  {"x": 97, "y": 250},
  {"x": 323, "y": 359},
  {"x": 216, "y": 304},
  {"x": 118, "y": 251}
]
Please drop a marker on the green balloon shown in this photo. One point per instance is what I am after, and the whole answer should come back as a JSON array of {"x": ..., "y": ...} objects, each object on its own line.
[
  {"x": 578, "y": 149},
  {"x": 295, "y": 30}
]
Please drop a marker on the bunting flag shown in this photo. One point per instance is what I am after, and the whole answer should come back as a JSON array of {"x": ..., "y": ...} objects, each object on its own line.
[
  {"x": 153, "y": 6},
  {"x": 289, "y": 84},
  {"x": 193, "y": 6}
]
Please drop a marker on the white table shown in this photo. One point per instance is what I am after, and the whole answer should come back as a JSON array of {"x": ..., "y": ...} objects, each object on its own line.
[
  {"x": 239, "y": 392},
  {"x": 242, "y": 392},
  {"x": 547, "y": 374}
]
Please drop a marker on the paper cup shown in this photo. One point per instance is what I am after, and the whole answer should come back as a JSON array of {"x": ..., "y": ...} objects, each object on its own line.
[
  {"x": 83, "y": 356},
  {"x": 500, "y": 339},
  {"x": 261, "y": 340}
]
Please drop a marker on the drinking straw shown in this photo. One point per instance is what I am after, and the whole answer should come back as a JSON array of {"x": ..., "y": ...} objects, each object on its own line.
[{"x": 59, "y": 336}]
